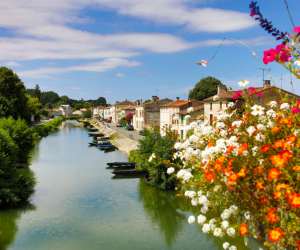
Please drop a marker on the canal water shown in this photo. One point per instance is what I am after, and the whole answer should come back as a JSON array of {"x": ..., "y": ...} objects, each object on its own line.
[{"x": 78, "y": 206}]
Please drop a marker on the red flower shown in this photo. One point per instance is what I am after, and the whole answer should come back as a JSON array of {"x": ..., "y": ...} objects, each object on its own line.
[
  {"x": 237, "y": 95},
  {"x": 210, "y": 176},
  {"x": 294, "y": 200},
  {"x": 269, "y": 56},
  {"x": 295, "y": 110},
  {"x": 297, "y": 29},
  {"x": 265, "y": 148},
  {"x": 272, "y": 217}
]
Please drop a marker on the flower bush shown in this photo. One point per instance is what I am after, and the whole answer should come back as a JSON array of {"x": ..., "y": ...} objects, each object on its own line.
[{"x": 242, "y": 174}]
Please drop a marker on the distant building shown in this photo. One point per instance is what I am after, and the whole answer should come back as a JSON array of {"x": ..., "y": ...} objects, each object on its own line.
[
  {"x": 260, "y": 95},
  {"x": 66, "y": 110},
  {"x": 122, "y": 109},
  {"x": 147, "y": 114},
  {"x": 178, "y": 114},
  {"x": 98, "y": 112}
]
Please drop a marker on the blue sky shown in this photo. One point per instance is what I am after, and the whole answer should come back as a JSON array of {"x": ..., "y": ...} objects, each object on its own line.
[{"x": 137, "y": 48}]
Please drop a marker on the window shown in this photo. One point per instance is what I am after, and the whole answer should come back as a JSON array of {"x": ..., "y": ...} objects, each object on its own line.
[
  {"x": 211, "y": 106},
  {"x": 211, "y": 118},
  {"x": 220, "y": 105}
]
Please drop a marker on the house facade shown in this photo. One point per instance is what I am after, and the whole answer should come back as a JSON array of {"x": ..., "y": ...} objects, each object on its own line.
[
  {"x": 66, "y": 110},
  {"x": 177, "y": 115}
]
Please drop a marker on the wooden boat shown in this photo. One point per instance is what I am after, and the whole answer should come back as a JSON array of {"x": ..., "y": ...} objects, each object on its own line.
[
  {"x": 129, "y": 173},
  {"x": 124, "y": 167},
  {"x": 131, "y": 164}
]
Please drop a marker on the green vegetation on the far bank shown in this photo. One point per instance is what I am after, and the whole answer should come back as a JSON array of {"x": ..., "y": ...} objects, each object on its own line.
[{"x": 155, "y": 155}]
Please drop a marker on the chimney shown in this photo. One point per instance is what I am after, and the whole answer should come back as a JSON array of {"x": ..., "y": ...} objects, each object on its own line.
[
  {"x": 155, "y": 98},
  {"x": 221, "y": 89},
  {"x": 267, "y": 83}
]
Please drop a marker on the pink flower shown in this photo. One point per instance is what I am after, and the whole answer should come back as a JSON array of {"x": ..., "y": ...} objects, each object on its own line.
[
  {"x": 295, "y": 110},
  {"x": 297, "y": 29},
  {"x": 237, "y": 95},
  {"x": 269, "y": 56}
]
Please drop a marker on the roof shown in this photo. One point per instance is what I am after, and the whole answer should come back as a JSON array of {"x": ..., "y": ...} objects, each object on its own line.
[
  {"x": 159, "y": 103},
  {"x": 177, "y": 104}
]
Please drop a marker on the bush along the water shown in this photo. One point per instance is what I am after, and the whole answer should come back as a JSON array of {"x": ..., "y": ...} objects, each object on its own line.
[
  {"x": 155, "y": 155},
  {"x": 45, "y": 129},
  {"x": 242, "y": 175},
  {"x": 16, "y": 179}
]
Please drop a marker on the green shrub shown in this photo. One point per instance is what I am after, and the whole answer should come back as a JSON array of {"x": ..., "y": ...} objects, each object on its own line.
[
  {"x": 49, "y": 127},
  {"x": 155, "y": 155},
  {"x": 21, "y": 134},
  {"x": 16, "y": 183}
]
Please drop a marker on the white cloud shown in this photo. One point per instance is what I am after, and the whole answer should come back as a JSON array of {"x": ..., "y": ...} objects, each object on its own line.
[
  {"x": 120, "y": 75},
  {"x": 101, "y": 66},
  {"x": 42, "y": 31}
]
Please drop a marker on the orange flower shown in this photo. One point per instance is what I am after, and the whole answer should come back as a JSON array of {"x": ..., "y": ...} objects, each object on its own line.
[
  {"x": 275, "y": 130},
  {"x": 242, "y": 172},
  {"x": 294, "y": 200},
  {"x": 275, "y": 234},
  {"x": 232, "y": 178},
  {"x": 259, "y": 170},
  {"x": 273, "y": 174},
  {"x": 278, "y": 144},
  {"x": 265, "y": 148},
  {"x": 210, "y": 176},
  {"x": 281, "y": 186},
  {"x": 210, "y": 144},
  {"x": 242, "y": 148},
  {"x": 296, "y": 168},
  {"x": 281, "y": 159},
  {"x": 259, "y": 185},
  {"x": 277, "y": 195},
  {"x": 243, "y": 229},
  {"x": 272, "y": 217}
]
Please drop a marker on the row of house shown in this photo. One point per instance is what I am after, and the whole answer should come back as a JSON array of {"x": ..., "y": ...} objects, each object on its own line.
[{"x": 177, "y": 114}]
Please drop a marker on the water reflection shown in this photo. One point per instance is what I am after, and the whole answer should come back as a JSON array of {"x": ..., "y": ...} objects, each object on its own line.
[
  {"x": 9, "y": 225},
  {"x": 163, "y": 208}
]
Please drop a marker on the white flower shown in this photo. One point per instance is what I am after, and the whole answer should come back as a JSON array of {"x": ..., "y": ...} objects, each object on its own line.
[
  {"x": 220, "y": 125},
  {"x": 231, "y": 232},
  {"x": 226, "y": 245},
  {"x": 271, "y": 113},
  {"x": 201, "y": 219},
  {"x": 273, "y": 104},
  {"x": 204, "y": 209},
  {"x": 250, "y": 130},
  {"x": 297, "y": 63},
  {"x": 233, "y": 209},
  {"x": 261, "y": 127},
  {"x": 259, "y": 137},
  {"x": 243, "y": 83},
  {"x": 284, "y": 106},
  {"x": 257, "y": 110},
  {"x": 247, "y": 215},
  {"x": 190, "y": 194},
  {"x": 170, "y": 170},
  {"x": 177, "y": 145},
  {"x": 193, "y": 139},
  {"x": 194, "y": 202},
  {"x": 230, "y": 104},
  {"x": 225, "y": 214},
  {"x": 237, "y": 123},
  {"x": 254, "y": 150},
  {"x": 206, "y": 228},
  {"x": 218, "y": 232},
  {"x": 225, "y": 224},
  {"x": 202, "y": 200},
  {"x": 184, "y": 174},
  {"x": 191, "y": 219},
  {"x": 232, "y": 247}
]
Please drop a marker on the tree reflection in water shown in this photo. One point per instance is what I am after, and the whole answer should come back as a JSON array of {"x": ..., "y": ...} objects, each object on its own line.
[
  {"x": 8, "y": 225},
  {"x": 164, "y": 210}
]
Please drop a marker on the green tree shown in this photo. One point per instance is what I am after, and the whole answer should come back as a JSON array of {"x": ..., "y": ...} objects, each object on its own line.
[
  {"x": 13, "y": 99},
  {"x": 49, "y": 98},
  {"x": 205, "y": 88},
  {"x": 34, "y": 106}
]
